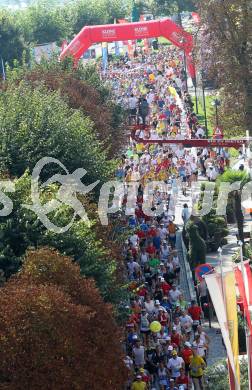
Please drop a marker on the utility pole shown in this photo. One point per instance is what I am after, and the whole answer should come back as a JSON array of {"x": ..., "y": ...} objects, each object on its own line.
[{"x": 204, "y": 101}]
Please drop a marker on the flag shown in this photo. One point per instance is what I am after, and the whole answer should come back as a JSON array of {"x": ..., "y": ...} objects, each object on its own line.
[
  {"x": 196, "y": 17},
  {"x": 241, "y": 287},
  {"x": 3, "y": 69},
  {"x": 104, "y": 56},
  {"x": 214, "y": 285},
  {"x": 243, "y": 278},
  {"x": 232, "y": 319}
]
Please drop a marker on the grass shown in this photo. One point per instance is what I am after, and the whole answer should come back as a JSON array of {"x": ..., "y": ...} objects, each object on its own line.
[
  {"x": 163, "y": 41},
  {"x": 209, "y": 112}
]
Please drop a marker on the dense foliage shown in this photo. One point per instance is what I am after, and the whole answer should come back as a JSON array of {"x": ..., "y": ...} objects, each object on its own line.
[
  {"x": 47, "y": 21},
  {"x": 12, "y": 42},
  {"x": 197, "y": 246},
  {"x": 231, "y": 176},
  {"x": 226, "y": 50},
  {"x": 83, "y": 89},
  {"x": 35, "y": 124},
  {"x": 169, "y": 7},
  {"x": 53, "y": 323},
  {"x": 217, "y": 375},
  {"x": 23, "y": 229}
]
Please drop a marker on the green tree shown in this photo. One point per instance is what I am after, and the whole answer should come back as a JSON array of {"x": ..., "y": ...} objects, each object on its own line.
[
  {"x": 170, "y": 7},
  {"x": 84, "y": 13},
  {"x": 231, "y": 176},
  {"x": 197, "y": 246},
  {"x": 12, "y": 44},
  {"x": 22, "y": 229},
  {"x": 228, "y": 38},
  {"x": 42, "y": 23},
  {"x": 83, "y": 89},
  {"x": 35, "y": 123}
]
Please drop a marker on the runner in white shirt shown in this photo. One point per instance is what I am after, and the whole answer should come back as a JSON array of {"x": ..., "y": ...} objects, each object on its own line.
[
  {"x": 174, "y": 294},
  {"x": 133, "y": 266},
  {"x": 201, "y": 347},
  {"x": 134, "y": 240},
  {"x": 186, "y": 322},
  {"x": 200, "y": 132},
  {"x": 139, "y": 354},
  {"x": 165, "y": 251},
  {"x": 175, "y": 364},
  {"x": 144, "y": 257},
  {"x": 163, "y": 232},
  {"x": 132, "y": 102},
  {"x": 177, "y": 325},
  {"x": 180, "y": 152}
]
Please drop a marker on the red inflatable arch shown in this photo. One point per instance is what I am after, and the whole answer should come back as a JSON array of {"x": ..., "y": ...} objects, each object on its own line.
[{"x": 132, "y": 31}]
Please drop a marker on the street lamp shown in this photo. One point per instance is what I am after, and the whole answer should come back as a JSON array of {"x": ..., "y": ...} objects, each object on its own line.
[
  {"x": 182, "y": 41},
  {"x": 216, "y": 103}
]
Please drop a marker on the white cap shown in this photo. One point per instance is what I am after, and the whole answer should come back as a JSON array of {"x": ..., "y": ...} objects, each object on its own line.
[
  {"x": 157, "y": 302},
  {"x": 187, "y": 344}
]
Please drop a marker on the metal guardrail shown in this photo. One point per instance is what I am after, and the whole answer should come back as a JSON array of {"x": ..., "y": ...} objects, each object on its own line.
[{"x": 188, "y": 272}]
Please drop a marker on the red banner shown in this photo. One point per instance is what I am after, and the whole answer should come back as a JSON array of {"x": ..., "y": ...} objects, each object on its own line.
[
  {"x": 198, "y": 143},
  {"x": 123, "y": 21}
]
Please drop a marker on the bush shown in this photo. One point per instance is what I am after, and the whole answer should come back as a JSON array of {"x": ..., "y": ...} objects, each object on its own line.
[
  {"x": 201, "y": 225},
  {"x": 217, "y": 375},
  {"x": 82, "y": 89},
  {"x": 217, "y": 230},
  {"x": 197, "y": 246},
  {"x": 35, "y": 123},
  {"x": 23, "y": 229}
]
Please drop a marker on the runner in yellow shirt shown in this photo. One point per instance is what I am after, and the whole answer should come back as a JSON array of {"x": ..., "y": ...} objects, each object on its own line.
[
  {"x": 138, "y": 384},
  {"x": 197, "y": 366},
  {"x": 139, "y": 148}
]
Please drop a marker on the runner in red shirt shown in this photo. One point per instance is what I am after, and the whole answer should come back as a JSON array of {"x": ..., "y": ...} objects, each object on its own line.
[
  {"x": 176, "y": 337},
  {"x": 152, "y": 232},
  {"x": 195, "y": 312},
  {"x": 183, "y": 379},
  {"x": 141, "y": 234},
  {"x": 151, "y": 249},
  {"x": 165, "y": 286},
  {"x": 187, "y": 354},
  {"x": 139, "y": 213}
]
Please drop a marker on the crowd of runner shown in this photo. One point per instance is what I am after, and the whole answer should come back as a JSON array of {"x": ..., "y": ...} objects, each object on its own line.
[{"x": 165, "y": 343}]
